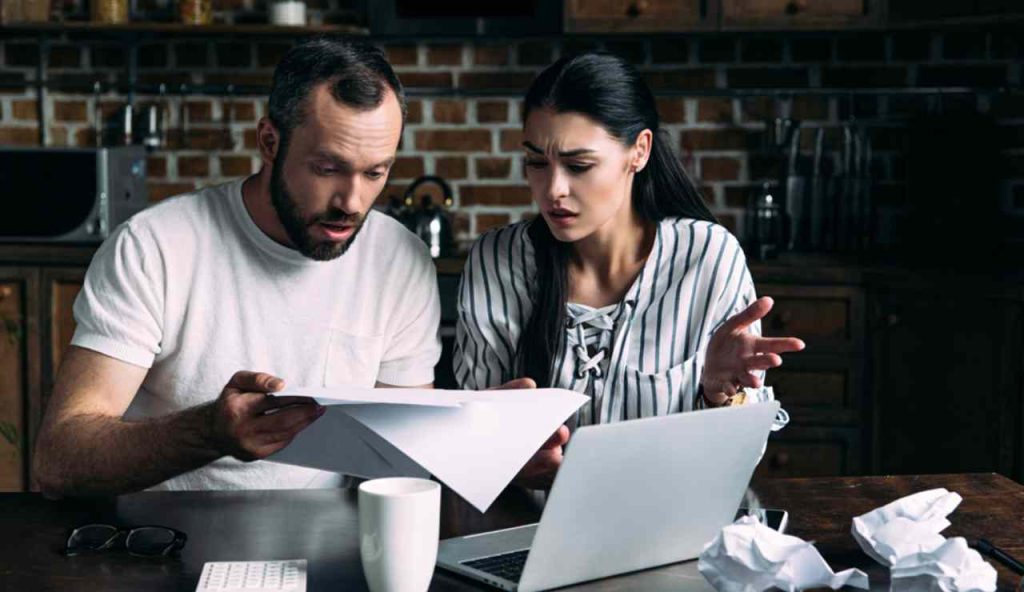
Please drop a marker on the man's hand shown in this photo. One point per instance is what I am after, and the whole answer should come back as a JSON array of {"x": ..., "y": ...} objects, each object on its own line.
[
  {"x": 734, "y": 354},
  {"x": 539, "y": 471},
  {"x": 250, "y": 423}
]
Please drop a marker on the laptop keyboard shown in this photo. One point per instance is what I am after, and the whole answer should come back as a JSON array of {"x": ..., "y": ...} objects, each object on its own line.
[{"x": 507, "y": 565}]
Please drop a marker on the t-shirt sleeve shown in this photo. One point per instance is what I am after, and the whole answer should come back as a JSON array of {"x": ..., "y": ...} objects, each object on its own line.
[
  {"x": 413, "y": 349},
  {"x": 484, "y": 346},
  {"x": 119, "y": 311}
]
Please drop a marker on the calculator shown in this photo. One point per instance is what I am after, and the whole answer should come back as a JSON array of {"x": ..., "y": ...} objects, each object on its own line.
[{"x": 253, "y": 576}]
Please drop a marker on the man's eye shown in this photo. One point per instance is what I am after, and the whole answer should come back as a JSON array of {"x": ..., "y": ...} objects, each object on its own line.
[
  {"x": 324, "y": 170},
  {"x": 374, "y": 175}
]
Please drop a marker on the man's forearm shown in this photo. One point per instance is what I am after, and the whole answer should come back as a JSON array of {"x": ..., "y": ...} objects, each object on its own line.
[{"x": 97, "y": 455}]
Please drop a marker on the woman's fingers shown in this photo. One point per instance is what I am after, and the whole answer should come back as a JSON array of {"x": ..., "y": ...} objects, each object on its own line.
[
  {"x": 743, "y": 319},
  {"x": 761, "y": 362},
  {"x": 777, "y": 345}
]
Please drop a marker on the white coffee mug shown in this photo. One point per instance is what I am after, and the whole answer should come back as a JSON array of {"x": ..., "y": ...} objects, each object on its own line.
[
  {"x": 288, "y": 12},
  {"x": 399, "y": 526}
]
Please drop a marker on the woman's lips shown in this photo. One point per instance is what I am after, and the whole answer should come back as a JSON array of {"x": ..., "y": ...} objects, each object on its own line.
[{"x": 562, "y": 217}]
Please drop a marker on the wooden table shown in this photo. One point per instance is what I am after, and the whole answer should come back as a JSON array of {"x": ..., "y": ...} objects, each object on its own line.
[{"x": 321, "y": 526}]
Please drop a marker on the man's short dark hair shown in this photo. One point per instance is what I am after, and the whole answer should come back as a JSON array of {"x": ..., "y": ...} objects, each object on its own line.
[{"x": 357, "y": 74}]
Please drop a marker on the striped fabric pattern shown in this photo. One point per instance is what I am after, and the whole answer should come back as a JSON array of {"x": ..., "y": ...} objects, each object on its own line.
[{"x": 642, "y": 357}]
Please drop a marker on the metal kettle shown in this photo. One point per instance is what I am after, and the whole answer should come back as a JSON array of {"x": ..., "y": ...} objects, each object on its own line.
[{"x": 431, "y": 222}]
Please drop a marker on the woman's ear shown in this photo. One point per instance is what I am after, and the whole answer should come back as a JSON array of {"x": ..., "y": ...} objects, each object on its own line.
[
  {"x": 642, "y": 150},
  {"x": 268, "y": 140}
]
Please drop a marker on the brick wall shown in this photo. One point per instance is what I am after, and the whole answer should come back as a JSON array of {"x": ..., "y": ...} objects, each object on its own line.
[{"x": 473, "y": 140}]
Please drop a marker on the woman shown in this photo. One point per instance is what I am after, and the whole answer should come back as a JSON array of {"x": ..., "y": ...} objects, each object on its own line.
[{"x": 624, "y": 289}]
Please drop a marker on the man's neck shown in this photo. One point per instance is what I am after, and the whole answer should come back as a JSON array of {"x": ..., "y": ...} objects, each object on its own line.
[{"x": 256, "y": 197}]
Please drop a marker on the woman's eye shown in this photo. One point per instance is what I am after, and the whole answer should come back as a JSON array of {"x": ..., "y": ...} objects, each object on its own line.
[
  {"x": 580, "y": 168},
  {"x": 536, "y": 164}
]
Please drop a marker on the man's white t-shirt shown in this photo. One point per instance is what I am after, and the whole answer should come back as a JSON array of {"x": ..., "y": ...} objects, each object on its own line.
[{"x": 193, "y": 290}]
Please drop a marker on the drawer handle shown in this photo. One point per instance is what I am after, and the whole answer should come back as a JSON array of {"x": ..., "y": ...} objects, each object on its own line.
[
  {"x": 780, "y": 460},
  {"x": 5, "y": 292},
  {"x": 794, "y": 7},
  {"x": 637, "y": 8}
]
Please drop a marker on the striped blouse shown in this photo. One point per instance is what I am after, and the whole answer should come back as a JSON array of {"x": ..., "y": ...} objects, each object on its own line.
[{"x": 639, "y": 358}]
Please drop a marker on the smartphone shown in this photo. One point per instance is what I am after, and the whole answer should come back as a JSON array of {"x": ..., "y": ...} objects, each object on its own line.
[{"x": 774, "y": 519}]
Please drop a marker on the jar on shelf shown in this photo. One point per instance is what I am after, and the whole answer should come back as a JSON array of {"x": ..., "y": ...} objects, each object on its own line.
[
  {"x": 110, "y": 12},
  {"x": 288, "y": 13},
  {"x": 195, "y": 12}
]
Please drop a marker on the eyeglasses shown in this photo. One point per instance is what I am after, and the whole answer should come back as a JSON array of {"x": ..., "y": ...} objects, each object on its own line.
[{"x": 141, "y": 541}]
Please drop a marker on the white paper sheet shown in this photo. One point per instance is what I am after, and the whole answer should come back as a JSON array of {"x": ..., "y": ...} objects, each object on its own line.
[
  {"x": 747, "y": 556},
  {"x": 473, "y": 441}
]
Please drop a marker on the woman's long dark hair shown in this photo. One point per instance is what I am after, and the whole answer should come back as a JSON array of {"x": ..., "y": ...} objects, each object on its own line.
[{"x": 609, "y": 91}]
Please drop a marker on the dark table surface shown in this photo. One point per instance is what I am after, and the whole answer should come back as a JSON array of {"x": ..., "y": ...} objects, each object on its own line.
[{"x": 321, "y": 526}]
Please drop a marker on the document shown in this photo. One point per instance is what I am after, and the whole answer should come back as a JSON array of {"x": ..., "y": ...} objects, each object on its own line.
[{"x": 472, "y": 441}]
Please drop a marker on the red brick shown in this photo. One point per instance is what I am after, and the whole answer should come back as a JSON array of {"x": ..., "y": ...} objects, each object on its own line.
[
  {"x": 811, "y": 49},
  {"x": 911, "y": 46},
  {"x": 493, "y": 167},
  {"x": 516, "y": 81},
  {"x": 449, "y": 111},
  {"x": 402, "y": 55},
  {"x": 719, "y": 169},
  {"x": 242, "y": 111},
  {"x": 737, "y": 196},
  {"x": 767, "y": 77},
  {"x": 156, "y": 167},
  {"x": 492, "y": 111},
  {"x": 58, "y": 135},
  {"x": 534, "y": 53},
  {"x": 234, "y": 166},
  {"x": 719, "y": 139},
  {"x": 407, "y": 167},
  {"x": 472, "y": 140},
  {"x": 64, "y": 56},
  {"x": 857, "y": 77},
  {"x": 19, "y": 136},
  {"x": 962, "y": 75},
  {"x": 199, "y": 111},
  {"x": 861, "y": 47},
  {"x": 485, "y": 222},
  {"x": 444, "y": 55},
  {"x": 491, "y": 55},
  {"x": 761, "y": 49},
  {"x": 693, "y": 78},
  {"x": 70, "y": 111},
  {"x": 714, "y": 110},
  {"x": 190, "y": 55},
  {"x": 84, "y": 137},
  {"x": 460, "y": 224},
  {"x": 668, "y": 51},
  {"x": 193, "y": 166},
  {"x": 671, "y": 110},
  {"x": 810, "y": 108},
  {"x": 494, "y": 195},
  {"x": 451, "y": 167},
  {"x": 414, "y": 111},
  {"x": 249, "y": 139},
  {"x": 269, "y": 54},
  {"x": 511, "y": 140},
  {"x": 206, "y": 139},
  {"x": 717, "y": 49},
  {"x": 25, "y": 110},
  {"x": 159, "y": 191},
  {"x": 246, "y": 78},
  {"x": 426, "y": 79}
]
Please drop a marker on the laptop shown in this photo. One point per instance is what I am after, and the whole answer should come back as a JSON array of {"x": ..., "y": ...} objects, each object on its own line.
[{"x": 629, "y": 496}]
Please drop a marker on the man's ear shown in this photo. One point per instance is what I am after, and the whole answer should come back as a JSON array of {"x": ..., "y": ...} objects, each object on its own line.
[{"x": 268, "y": 140}]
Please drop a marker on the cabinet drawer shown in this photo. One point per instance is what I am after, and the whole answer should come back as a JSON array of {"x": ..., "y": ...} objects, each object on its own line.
[
  {"x": 595, "y": 16},
  {"x": 797, "y": 13},
  {"x": 811, "y": 452},
  {"x": 827, "y": 318},
  {"x": 819, "y": 389}
]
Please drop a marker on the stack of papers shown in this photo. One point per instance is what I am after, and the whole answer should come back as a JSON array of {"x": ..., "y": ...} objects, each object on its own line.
[{"x": 474, "y": 442}]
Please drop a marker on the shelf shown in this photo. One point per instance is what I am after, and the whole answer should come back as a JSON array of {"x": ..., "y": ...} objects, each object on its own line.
[{"x": 146, "y": 29}]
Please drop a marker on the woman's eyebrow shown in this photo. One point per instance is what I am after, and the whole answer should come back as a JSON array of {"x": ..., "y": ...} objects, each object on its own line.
[{"x": 570, "y": 153}]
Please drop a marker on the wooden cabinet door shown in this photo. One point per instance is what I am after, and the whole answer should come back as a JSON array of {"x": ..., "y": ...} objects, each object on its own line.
[
  {"x": 930, "y": 11},
  {"x": 947, "y": 381},
  {"x": 60, "y": 288},
  {"x": 608, "y": 16},
  {"x": 18, "y": 384},
  {"x": 798, "y": 14}
]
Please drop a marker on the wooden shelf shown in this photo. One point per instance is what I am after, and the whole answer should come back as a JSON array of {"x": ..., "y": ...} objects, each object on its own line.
[{"x": 179, "y": 29}]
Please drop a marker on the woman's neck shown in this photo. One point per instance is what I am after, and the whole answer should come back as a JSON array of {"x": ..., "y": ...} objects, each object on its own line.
[{"x": 604, "y": 265}]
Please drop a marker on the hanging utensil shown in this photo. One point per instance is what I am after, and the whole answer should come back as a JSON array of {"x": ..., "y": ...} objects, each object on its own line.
[
  {"x": 795, "y": 187},
  {"x": 817, "y": 197}
]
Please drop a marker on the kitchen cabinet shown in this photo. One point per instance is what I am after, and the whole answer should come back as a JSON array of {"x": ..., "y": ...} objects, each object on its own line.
[
  {"x": 800, "y": 14},
  {"x": 15, "y": 286},
  {"x": 950, "y": 11},
  {"x": 632, "y": 16},
  {"x": 947, "y": 379}
]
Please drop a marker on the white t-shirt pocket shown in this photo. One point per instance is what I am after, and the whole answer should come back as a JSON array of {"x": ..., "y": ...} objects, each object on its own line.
[{"x": 352, "y": 359}]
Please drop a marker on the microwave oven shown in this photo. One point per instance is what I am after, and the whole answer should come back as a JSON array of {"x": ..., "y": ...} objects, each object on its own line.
[{"x": 69, "y": 195}]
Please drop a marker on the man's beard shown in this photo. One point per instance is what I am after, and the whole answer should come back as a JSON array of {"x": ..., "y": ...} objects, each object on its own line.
[{"x": 297, "y": 227}]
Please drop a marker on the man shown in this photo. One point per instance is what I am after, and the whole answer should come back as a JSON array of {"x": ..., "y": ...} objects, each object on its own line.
[{"x": 197, "y": 309}]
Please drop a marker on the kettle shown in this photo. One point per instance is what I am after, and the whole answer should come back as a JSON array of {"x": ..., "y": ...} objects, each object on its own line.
[{"x": 431, "y": 221}]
